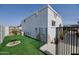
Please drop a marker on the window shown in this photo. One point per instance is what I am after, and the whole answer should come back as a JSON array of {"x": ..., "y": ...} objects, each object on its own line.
[
  {"x": 60, "y": 25},
  {"x": 24, "y": 20},
  {"x": 53, "y": 23},
  {"x": 36, "y": 14},
  {"x": 36, "y": 30}
]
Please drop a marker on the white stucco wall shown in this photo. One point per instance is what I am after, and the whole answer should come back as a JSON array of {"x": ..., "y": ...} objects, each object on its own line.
[
  {"x": 36, "y": 20},
  {"x": 58, "y": 21}
]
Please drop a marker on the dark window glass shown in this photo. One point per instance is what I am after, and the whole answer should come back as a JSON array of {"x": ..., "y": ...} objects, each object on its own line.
[
  {"x": 36, "y": 30},
  {"x": 24, "y": 20},
  {"x": 53, "y": 23},
  {"x": 60, "y": 25}
]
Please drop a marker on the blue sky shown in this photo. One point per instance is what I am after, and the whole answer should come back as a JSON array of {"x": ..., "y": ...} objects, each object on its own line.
[{"x": 11, "y": 15}]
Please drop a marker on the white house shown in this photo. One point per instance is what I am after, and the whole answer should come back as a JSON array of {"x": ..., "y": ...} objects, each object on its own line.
[{"x": 42, "y": 25}]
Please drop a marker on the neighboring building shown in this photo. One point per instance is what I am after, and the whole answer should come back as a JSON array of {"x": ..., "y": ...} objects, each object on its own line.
[
  {"x": 6, "y": 31},
  {"x": 2, "y": 33},
  {"x": 42, "y": 25},
  {"x": 17, "y": 28}
]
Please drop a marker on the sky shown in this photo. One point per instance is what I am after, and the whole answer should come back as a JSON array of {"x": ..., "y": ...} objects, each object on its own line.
[{"x": 13, "y": 14}]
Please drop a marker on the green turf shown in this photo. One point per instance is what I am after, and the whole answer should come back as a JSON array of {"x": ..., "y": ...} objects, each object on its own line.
[{"x": 28, "y": 46}]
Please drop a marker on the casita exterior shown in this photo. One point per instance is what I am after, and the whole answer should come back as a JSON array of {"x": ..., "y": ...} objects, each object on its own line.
[
  {"x": 45, "y": 18},
  {"x": 42, "y": 24}
]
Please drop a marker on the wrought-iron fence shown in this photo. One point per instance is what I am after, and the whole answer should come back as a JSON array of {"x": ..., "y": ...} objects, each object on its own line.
[{"x": 67, "y": 40}]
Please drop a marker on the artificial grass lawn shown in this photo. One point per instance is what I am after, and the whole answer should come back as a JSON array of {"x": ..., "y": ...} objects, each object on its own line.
[{"x": 28, "y": 46}]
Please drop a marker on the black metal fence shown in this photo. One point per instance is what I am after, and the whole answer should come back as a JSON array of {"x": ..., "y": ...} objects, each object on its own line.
[
  {"x": 43, "y": 34},
  {"x": 67, "y": 40}
]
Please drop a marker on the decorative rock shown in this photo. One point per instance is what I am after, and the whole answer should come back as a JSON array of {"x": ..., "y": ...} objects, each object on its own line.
[{"x": 11, "y": 44}]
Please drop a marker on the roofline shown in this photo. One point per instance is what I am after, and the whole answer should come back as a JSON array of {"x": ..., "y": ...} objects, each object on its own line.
[{"x": 45, "y": 6}]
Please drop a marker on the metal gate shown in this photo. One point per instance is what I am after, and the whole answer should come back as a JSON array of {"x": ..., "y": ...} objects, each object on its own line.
[
  {"x": 42, "y": 35},
  {"x": 67, "y": 40}
]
